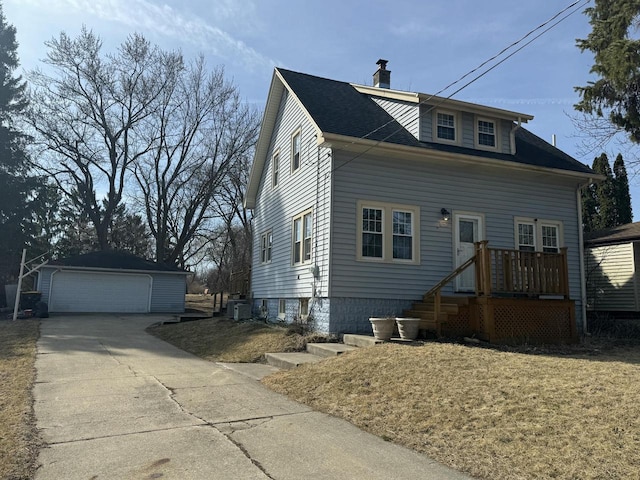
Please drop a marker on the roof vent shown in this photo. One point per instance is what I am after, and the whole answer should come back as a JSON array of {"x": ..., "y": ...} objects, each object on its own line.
[{"x": 382, "y": 78}]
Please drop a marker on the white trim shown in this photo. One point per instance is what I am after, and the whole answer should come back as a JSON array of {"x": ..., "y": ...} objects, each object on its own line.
[
  {"x": 456, "y": 216},
  {"x": 113, "y": 270},
  {"x": 276, "y": 170},
  {"x": 496, "y": 134},
  {"x": 301, "y": 216},
  {"x": 266, "y": 247},
  {"x": 301, "y": 301},
  {"x": 282, "y": 312},
  {"x": 457, "y": 127},
  {"x": 387, "y": 231},
  {"x": 538, "y": 223}
]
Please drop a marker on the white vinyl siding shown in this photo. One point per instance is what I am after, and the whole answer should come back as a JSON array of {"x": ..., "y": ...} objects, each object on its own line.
[
  {"x": 611, "y": 278},
  {"x": 274, "y": 209},
  {"x": 405, "y": 113}
]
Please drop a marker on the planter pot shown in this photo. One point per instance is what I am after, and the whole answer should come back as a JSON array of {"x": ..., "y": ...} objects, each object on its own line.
[
  {"x": 382, "y": 327},
  {"x": 408, "y": 327}
]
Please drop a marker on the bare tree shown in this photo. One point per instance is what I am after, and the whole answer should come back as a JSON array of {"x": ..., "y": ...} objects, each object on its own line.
[
  {"x": 200, "y": 134},
  {"x": 87, "y": 113}
]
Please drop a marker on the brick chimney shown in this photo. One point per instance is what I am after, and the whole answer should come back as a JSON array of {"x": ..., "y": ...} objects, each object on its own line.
[{"x": 382, "y": 78}]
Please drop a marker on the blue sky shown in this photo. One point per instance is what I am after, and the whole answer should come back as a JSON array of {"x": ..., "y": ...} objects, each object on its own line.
[{"x": 428, "y": 45}]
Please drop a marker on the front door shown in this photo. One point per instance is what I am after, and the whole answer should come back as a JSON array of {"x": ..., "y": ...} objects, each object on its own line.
[{"x": 468, "y": 229}]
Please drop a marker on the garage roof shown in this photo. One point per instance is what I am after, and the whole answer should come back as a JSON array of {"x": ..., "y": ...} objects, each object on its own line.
[{"x": 111, "y": 259}]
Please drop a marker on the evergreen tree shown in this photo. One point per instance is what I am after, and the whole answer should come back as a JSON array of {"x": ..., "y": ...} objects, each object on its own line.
[
  {"x": 622, "y": 195},
  {"x": 589, "y": 208},
  {"x": 604, "y": 195}
]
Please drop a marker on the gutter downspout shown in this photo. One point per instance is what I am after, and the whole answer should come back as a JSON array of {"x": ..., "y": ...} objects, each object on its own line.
[{"x": 583, "y": 280}]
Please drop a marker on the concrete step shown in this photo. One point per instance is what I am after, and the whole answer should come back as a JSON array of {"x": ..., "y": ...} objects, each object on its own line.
[
  {"x": 289, "y": 360},
  {"x": 328, "y": 349},
  {"x": 360, "y": 340}
]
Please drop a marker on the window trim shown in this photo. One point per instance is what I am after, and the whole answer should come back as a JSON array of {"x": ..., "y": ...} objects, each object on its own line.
[
  {"x": 266, "y": 247},
  {"x": 457, "y": 130},
  {"x": 275, "y": 169},
  {"x": 480, "y": 146},
  {"x": 538, "y": 223},
  {"x": 297, "y": 133},
  {"x": 303, "y": 254},
  {"x": 387, "y": 231},
  {"x": 282, "y": 308}
]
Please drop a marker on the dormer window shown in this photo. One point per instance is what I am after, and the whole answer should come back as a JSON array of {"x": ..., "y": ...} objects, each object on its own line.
[
  {"x": 295, "y": 151},
  {"x": 486, "y": 133},
  {"x": 446, "y": 126}
]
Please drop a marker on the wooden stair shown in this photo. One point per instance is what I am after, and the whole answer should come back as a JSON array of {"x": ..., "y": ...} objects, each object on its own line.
[{"x": 425, "y": 311}]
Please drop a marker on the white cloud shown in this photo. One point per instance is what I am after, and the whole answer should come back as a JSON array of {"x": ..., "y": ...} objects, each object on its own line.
[{"x": 162, "y": 19}]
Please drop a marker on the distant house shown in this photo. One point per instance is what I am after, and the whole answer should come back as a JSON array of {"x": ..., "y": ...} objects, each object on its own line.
[
  {"x": 612, "y": 262},
  {"x": 111, "y": 282},
  {"x": 365, "y": 198}
]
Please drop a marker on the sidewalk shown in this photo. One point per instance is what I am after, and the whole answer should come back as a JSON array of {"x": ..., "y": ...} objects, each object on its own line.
[{"x": 115, "y": 403}]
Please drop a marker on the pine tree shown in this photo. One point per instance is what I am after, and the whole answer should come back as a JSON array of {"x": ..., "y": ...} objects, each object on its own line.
[
  {"x": 622, "y": 195},
  {"x": 604, "y": 195}
]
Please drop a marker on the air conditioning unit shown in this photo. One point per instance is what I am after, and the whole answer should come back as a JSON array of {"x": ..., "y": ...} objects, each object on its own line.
[{"x": 241, "y": 311}]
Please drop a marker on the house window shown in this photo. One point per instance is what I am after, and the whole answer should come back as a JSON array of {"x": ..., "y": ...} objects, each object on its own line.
[
  {"x": 266, "y": 244},
  {"x": 275, "y": 169},
  {"x": 538, "y": 235},
  {"x": 387, "y": 232},
  {"x": 282, "y": 308},
  {"x": 446, "y": 126},
  {"x": 372, "y": 232},
  {"x": 304, "y": 308},
  {"x": 302, "y": 235},
  {"x": 486, "y": 133},
  {"x": 295, "y": 151}
]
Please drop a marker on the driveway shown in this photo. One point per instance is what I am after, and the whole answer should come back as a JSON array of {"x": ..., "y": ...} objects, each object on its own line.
[{"x": 113, "y": 402}]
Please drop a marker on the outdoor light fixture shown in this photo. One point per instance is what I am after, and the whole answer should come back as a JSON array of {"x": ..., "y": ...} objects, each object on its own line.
[{"x": 445, "y": 214}]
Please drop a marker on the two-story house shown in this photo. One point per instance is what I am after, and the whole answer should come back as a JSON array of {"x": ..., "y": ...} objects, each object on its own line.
[{"x": 365, "y": 198}]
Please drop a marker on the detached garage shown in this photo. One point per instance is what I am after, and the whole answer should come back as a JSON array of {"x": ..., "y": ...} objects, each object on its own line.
[{"x": 111, "y": 282}]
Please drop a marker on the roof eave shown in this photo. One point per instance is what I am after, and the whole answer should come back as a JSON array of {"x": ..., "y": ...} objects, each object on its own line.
[
  {"x": 358, "y": 145},
  {"x": 112, "y": 270}
]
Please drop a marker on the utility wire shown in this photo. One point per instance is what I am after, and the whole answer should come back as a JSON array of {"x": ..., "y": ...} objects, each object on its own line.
[{"x": 402, "y": 127}]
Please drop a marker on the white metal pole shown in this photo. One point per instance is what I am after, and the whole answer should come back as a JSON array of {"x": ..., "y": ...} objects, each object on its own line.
[{"x": 17, "y": 302}]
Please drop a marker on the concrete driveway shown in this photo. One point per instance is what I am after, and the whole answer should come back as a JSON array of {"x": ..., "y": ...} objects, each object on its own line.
[{"x": 113, "y": 402}]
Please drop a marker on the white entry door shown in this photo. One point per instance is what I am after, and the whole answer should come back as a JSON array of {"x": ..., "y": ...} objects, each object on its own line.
[{"x": 468, "y": 229}]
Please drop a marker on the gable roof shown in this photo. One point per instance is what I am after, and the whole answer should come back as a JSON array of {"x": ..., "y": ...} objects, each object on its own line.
[
  {"x": 113, "y": 260},
  {"x": 339, "y": 108},
  {"x": 611, "y": 236}
]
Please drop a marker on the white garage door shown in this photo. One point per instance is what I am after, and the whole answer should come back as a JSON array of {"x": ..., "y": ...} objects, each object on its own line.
[{"x": 99, "y": 292}]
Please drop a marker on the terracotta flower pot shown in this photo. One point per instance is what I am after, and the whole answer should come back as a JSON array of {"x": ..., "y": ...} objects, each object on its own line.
[
  {"x": 382, "y": 327},
  {"x": 408, "y": 327}
]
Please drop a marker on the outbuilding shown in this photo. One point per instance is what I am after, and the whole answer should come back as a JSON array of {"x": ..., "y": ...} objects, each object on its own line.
[{"x": 112, "y": 282}]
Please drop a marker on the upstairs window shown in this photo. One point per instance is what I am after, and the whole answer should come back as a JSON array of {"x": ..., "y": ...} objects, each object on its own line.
[
  {"x": 486, "y": 133},
  {"x": 302, "y": 236},
  {"x": 446, "y": 126},
  {"x": 295, "y": 151},
  {"x": 275, "y": 169}
]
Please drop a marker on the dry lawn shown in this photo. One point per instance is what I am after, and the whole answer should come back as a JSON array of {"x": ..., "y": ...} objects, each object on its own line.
[
  {"x": 223, "y": 340},
  {"x": 493, "y": 414},
  {"x": 19, "y": 441}
]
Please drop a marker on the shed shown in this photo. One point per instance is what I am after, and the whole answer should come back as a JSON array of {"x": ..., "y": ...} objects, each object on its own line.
[
  {"x": 112, "y": 282},
  {"x": 612, "y": 266}
]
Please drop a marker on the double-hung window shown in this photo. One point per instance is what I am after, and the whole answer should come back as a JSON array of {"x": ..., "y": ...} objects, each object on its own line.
[
  {"x": 302, "y": 236},
  {"x": 486, "y": 133},
  {"x": 266, "y": 245},
  {"x": 446, "y": 126},
  {"x": 295, "y": 151},
  {"x": 538, "y": 235},
  {"x": 388, "y": 232}
]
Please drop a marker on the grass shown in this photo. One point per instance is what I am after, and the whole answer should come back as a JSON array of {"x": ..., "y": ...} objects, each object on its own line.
[
  {"x": 19, "y": 440},
  {"x": 494, "y": 414}
]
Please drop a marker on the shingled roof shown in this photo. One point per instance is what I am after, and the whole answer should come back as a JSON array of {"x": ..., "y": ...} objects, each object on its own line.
[
  {"x": 117, "y": 260},
  {"x": 611, "y": 236},
  {"x": 338, "y": 108}
]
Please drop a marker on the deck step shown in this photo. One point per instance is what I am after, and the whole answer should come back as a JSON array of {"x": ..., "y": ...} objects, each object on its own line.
[
  {"x": 462, "y": 300},
  {"x": 355, "y": 340},
  {"x": 289, "y": 360},
  {"x": 328, "y": 349},
  {"x": 426, "y": 315},
  {"x": 444, "y": 307}
]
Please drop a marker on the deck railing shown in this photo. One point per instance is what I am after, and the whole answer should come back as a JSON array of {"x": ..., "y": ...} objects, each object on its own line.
[{"x": 515, "y": 272}]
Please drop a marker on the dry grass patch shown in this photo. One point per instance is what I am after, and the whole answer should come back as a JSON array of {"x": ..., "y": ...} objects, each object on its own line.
[
  {"x": 223, "y": 340},
  {"x": 19, "y": 441},
  {"x": 493, "y": 414}
]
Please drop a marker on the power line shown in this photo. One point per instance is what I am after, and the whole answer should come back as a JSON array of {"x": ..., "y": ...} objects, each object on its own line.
[{"x": 576, "y": 4}]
